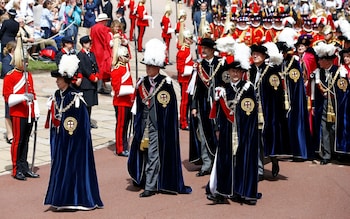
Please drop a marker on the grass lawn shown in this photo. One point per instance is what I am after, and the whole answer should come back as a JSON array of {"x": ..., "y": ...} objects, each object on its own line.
[{"x": 39, "y": 66}]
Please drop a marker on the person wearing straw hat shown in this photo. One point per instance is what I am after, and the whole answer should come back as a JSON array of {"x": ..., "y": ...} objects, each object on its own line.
[
  {"x": 154, "y": 159},
  {"x": 20, "y": 95},
  {"x": 102, "y": 49},
  {"x": 73, "y": 183},
  {"x": 9, "y": 29}
]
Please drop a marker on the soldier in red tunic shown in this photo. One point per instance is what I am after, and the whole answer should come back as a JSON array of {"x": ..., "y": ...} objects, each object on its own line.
[
  {"x": 142, "y": 22},
  {"x": 18, "y": 91},
  {"x": 123, "y": 98},
  {"x": 184, "y": 69},
  {"x": 166, "y": 32}
]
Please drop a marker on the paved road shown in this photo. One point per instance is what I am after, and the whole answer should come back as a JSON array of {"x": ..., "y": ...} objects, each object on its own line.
[{"x": 302, "y": 190}]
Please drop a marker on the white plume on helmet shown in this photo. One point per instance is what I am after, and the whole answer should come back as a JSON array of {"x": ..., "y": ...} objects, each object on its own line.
[
  {"x": 69, "y": 64},
  {"x": 275, "y": 56},
  {"x": 122, "y": 51},
  {"x": 242, "y": 55},
  {"x": 154, "y": 53},
  {"x": 324, "y": 50},
  {"x": 289, "y": 36},
  {"x": 225, "y": 44}
]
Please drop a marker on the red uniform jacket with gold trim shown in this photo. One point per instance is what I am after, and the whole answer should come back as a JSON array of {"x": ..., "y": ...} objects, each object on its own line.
[
  {"x": 183, "y": 58},
  {"x": 140, "y": 13},
  {"x": 120, "y": 79}
]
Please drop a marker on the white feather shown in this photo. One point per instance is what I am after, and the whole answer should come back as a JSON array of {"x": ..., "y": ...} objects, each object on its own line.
[
  {"x": 225, "y": 44},
  {"x": 289, "y": 36},
  {"x": 242, "y": 55},
  {"x": 323, "y": 49},
  {"x": 275, "y": 56},
  {"x": 69, "y": 64},
  {"x": 154, "y": 53}
]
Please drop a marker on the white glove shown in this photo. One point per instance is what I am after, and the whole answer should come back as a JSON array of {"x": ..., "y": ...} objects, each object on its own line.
[
  {"x": 15, "y": 99},
  {"x": 219, "y": 92},
  {"x": 29, "y": 97},
  {"x": 111, "y": 44},
  {"x": 317, "y": 75},
  {"x": 126, "y": 3},
  {"x": 36, "y": 110},
  {"x": 171, "y": 30},
  {"x": 147, "y": 17}
]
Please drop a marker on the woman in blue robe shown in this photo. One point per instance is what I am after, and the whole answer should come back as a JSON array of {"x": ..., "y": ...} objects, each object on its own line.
[{"x": 73, "y": 180}]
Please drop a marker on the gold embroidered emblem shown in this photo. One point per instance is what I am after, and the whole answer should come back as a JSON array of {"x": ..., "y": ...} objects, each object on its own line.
[
  {"x": 342, "y": 84},
  {"x": 294, "y": 74},
  {"x": 70, "y": 124},
  {"x": 274, "y": 81},
  {"x": 163, "y": 97},
  {"x": 225, "y": 77},
  {"x": 247, "y": 105}
]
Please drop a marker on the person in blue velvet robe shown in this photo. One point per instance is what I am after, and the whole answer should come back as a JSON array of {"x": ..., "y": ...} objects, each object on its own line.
[
  {"x": 295, "y": 106},
  {"x": 235, "y": 170},
  {"x": 73, "y": 181},
  {"x": 154, "y": 161},
  {"x": 342, "y": 145}
]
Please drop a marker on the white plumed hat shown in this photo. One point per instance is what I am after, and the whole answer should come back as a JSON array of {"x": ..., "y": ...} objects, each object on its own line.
[
  {"x": 324, "y": 50},
  {"x": 154, "y": 53},
  {"x": 69, "y": 64},
  {"x": 275, "y": 56},
  {"x": 289, "y": 36}
]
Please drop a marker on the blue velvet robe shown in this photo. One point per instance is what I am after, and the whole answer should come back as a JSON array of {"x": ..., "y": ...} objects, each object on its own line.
[
  {"x": 342, "y": 130},
  {"x": 201, "y": 101},
  {"x": 237, "y": 175},
  {"x": 275, "y": 130},
  {"x": 297, "y": 115},
  {"x": 73, "y": 180},
  {"x": 170, "y": 177}
]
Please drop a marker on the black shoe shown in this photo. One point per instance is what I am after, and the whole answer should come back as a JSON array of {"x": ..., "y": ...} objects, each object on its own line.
[
  {"x": 93, "y": 126},
  {"x": 275, "y": 169},
  {"x": 103, "y": 91},
  {"x": 147, "y": 193},
  {"x": 124, "y": 153},
  {"x": 203, "y": 173},
  {"x": 9, "y": 141},
  {"x": 31, "y": 174},
  {"x": 169, "y": 63},
  {"x": 20, "y": 176},
  {"x": 217, "y": 199},
  {"x": 325, "y": 162}
]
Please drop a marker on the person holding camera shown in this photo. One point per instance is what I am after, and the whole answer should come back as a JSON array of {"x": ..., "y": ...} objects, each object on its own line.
[{"x": 88, "y": 75}]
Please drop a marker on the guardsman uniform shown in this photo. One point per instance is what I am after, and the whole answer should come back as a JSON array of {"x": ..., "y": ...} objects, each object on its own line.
[
  {"x": 123, "y": 99},
  {"x": 132, "y": 17},
  {"x": 142, "y": 23},
  {"x": 184, "y": 69}
]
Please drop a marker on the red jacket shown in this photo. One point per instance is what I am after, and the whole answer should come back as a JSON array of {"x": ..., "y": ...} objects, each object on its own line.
[
  {"x": 101, "y": 48},
  {"x": 121, "y": 79},
  {"x": 132, "y": 14},
  {"x": 183, "y": 58},
  {"x": 140, "y": 13},
  {"x": 12, "y": 79},
  {"x": 165, "y": 26}
]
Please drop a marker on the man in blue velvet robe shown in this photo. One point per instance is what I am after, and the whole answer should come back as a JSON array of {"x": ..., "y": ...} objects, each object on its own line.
[
  {"x": 235, "y": 169},
  {"x": 154, "y": 161}
]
